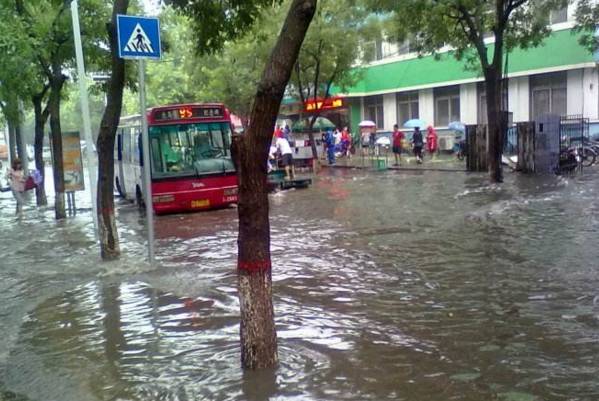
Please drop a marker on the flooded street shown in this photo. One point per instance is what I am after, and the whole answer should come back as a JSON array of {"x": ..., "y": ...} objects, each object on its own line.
[{"x": 387, "y": 286}]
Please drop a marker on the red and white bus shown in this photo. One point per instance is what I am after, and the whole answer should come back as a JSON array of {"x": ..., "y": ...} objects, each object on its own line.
[{"x": 191, "y": 165}]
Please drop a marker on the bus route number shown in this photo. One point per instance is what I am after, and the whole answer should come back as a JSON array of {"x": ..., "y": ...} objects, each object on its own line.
[{"x": 200, "y": 203}]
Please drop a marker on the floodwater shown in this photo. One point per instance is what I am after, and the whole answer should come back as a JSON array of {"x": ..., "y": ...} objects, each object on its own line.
[{"x": 387, "y": 286}]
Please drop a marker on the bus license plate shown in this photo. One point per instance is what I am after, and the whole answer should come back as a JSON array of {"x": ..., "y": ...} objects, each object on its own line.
[{"x": 200, "y": 203}]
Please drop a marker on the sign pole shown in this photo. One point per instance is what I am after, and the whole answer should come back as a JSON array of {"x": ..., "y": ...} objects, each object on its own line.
[
  {"x": 146, "y": 159},
  {"x": 87, "y": 130}
]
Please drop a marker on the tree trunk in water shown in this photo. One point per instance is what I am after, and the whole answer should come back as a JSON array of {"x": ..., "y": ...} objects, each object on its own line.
[
  {"x": 496, "y": 123},
  {"x": 21, "y": 146},
  {"x": 109, "y": 239},
  {"x": 40, "y": 117},
  {"x": 57, "y": 162},
  {"x": 257, "y": 328}
]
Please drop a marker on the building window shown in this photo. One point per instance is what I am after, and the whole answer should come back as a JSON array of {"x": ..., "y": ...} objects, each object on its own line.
[
  {"x": 407, "y": 106},
  {"x": 373, "y": 110},
  {"x": 482, "y": 102},
  {"x": 548, "y": 94},
  {"x": 447, "y": 105},
  {"x": 557, "y": 16}
]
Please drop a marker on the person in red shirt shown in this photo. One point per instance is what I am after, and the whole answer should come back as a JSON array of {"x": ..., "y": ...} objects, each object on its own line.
[
  {"x": 278, "y": 132},
  {"x": 398, "y": 136},
  {"x": 346, "y": 142},
  {"x": 431, "y": 140}
]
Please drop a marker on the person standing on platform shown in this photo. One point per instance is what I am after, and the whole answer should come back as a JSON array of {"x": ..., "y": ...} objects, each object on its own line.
[{"x": 286, "y": 157}]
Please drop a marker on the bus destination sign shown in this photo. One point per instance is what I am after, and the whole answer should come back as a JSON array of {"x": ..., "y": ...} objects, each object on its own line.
[{"x": 187, "y": 112}]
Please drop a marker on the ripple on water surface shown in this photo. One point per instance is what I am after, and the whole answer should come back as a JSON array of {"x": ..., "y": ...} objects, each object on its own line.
[{"x": 386, "y": 286}]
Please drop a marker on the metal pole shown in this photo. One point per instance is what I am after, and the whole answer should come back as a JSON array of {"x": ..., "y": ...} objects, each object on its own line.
[
  {"x": 87, "y": 130},
  {"x": 146, "y": 160}
]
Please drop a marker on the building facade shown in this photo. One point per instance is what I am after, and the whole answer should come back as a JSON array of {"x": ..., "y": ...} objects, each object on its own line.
[{"x": 559, "y": 77}]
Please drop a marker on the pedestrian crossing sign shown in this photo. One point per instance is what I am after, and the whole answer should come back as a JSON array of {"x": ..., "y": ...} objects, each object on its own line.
[{"x": 138, "y": 37}]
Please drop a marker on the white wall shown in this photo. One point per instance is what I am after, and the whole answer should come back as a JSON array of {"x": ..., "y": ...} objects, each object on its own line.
[
  {"x": 468, "y": 104},
  {"x": 390, "y": 110},
  {"x": 574, "y": 92},
  {"x": 426, "y": 106},
  {"x": 518, "y": 98},
  {"x": 591, "y": 93}
]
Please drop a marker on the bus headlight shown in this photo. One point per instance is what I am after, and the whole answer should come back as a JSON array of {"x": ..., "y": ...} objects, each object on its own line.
[
  {"x": 230, "y": 191},
  {"x": 163, "y": 198}
]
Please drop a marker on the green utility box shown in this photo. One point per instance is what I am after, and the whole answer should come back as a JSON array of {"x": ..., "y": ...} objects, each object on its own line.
[{"x": 380, "y": 164}]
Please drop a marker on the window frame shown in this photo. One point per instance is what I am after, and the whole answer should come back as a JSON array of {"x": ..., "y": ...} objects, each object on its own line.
[{"x": 449, "y": 94}]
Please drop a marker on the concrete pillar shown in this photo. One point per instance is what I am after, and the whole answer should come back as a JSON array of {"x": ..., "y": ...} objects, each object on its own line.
[
  {"x": 426, "y": 106},
  {"x": 519, "y": 98},
  {"x": 574, "y": 92},
  {"x": 390, "y": 110},
  {"x": 468, "y": 104},
  {"x": 590, "y": 103}
]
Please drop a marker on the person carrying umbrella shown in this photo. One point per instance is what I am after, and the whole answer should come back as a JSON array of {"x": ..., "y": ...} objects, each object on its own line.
[
  {"x": 329, "y": 140},
  {"x": 417, "y": 143}
]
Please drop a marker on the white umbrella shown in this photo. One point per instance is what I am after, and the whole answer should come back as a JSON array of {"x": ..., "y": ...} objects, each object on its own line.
[
  {"x": 383, "y": 141},
  {"x": 367, "y": 123}
]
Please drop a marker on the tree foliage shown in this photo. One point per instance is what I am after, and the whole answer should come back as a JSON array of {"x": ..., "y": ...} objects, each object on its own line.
[
  {"x": 329, "y": 51},
  {"x": 467, "y": 26},
  {"x": 217, "y": 22}
]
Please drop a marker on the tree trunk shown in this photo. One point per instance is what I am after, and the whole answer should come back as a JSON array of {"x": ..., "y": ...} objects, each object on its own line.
[
  {"x": 40, "y": 118},
  {"x": 21, "y": 145},
  {"x": 109, "y": 239},
  {"x": 57, "y": 163},
  {"x": 257, "y": 329},
  {"x": 496, "y": 123},
  {"x": 12, "y": 138}
]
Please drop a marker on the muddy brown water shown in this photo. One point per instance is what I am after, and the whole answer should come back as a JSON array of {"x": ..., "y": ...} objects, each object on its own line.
[{"x": 387, "y": 286}]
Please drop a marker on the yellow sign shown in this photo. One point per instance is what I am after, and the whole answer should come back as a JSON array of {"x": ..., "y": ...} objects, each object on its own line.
[{"x": 200, "y": 203}]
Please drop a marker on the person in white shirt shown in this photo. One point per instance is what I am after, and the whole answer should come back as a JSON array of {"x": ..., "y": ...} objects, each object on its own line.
[
  {"x": 286, "y": 157},
  {"x": 337, "y": 134}
]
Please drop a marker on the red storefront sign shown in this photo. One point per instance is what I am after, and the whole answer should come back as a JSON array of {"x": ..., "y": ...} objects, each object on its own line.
[{"x": 323, "y": 104}]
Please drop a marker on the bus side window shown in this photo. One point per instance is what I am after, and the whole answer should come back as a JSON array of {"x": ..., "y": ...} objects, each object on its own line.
[
  {"x": 136, "y": 156},
  {"x": 139, "y": 155},
  {"x": 119, "y": 146},
  {"x": 126, "y": 145}
]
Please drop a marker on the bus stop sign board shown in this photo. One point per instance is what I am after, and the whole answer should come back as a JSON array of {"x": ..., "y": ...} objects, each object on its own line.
[{"x": 139, "y": 37}]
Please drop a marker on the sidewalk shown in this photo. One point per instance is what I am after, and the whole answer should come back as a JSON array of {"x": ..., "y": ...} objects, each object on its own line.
[{"x": 442, "y": 162}]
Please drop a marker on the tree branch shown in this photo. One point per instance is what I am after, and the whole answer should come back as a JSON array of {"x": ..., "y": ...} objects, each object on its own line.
[{"x": 473, "y": 35}]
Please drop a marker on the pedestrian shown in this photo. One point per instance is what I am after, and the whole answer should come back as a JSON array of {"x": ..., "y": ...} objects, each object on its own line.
[
  {"x": 417, "y": 143},
  {"x": 278, "y": 132},
  {"x": 365, "y": 141},
  {"x": 287, "y": 132},
  {"x": 346, "y": 142},
  {"x": 330, "y": 145},
  {"x": 283, "y": 147},
  {"x": 431, "y": 141},
  {"x": 398, "y": 137},
  {"x": 16, "y": 179},
  {"x": 337, "y": 135}
]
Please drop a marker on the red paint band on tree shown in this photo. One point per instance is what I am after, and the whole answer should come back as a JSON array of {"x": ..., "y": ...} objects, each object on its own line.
[{"x": 254, "y": 266}]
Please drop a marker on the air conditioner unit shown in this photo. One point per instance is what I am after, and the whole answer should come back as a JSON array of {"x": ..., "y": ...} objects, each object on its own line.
[{"x": 446, "y": 142}]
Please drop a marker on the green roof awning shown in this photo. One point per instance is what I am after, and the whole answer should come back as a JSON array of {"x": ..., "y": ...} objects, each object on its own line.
[{"x": 561, "y": 48}]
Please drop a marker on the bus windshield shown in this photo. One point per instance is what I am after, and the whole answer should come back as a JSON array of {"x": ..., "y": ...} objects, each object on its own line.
[{"x": 188, "y": 149}]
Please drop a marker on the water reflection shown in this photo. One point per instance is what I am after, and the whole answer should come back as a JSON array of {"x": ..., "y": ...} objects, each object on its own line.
[{"x": 414, "y": 286}]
